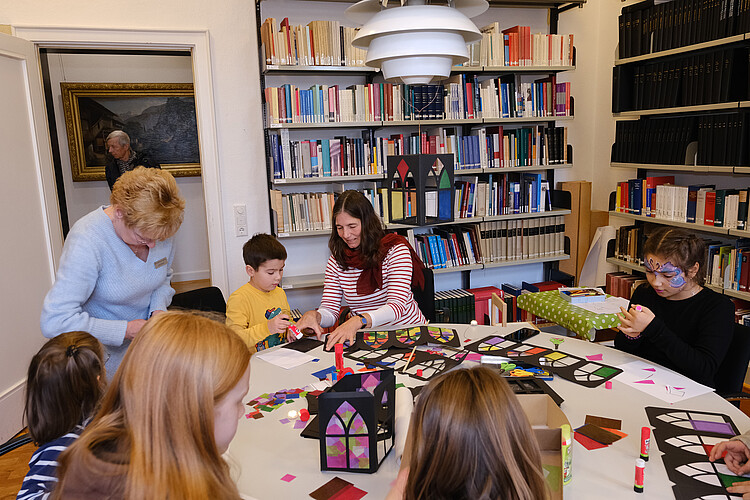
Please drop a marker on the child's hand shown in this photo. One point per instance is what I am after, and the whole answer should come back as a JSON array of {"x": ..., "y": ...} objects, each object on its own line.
[
  {"x": 279, "y": 324},
  {"x": 635, "y": 320},
  {"x": 737, "y": 458}
]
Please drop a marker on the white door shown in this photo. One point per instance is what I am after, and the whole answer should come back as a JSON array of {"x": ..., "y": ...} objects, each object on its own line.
[{"x": 30, "y": 238}]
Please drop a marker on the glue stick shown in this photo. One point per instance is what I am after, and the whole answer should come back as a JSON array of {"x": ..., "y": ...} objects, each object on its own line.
[
  {"x": 640, "y": 469},
  {"x": 567, "y": 456},
  {"x": 645, "y": 442}
]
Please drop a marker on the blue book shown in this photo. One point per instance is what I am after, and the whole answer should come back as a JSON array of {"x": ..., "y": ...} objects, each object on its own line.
[
  {"x": 434, "y": 252},
  {"x": 277, "y": 171},
  {"x": 326, "y": 153},
  {"x": 288, "y": 95},
  {"x": 445, "y": 206},
  {"x": 441, "y": 251}
]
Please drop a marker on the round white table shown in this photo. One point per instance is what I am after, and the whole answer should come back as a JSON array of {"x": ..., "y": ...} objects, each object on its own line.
[{"x": 265, "y": 450}]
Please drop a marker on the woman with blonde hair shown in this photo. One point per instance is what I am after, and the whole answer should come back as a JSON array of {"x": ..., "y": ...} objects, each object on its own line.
[
  {"x": 470, "y": 439},
  {"x": 116, "y": 264},
  {"x": 167, "y": 417}
]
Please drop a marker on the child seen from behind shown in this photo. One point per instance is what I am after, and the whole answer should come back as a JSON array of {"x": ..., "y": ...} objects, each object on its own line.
[
  {"x": 65, "y": 382},
  {"x": 470, "y": 439}
]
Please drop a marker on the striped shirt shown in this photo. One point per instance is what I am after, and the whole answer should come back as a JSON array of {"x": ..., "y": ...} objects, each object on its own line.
[
  {"x": 392, "y": 305},
  {"x": 41, "y": 478}
]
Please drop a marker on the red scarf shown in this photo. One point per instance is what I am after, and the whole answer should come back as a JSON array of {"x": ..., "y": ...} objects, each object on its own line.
[{"x": 371, "y": 278}]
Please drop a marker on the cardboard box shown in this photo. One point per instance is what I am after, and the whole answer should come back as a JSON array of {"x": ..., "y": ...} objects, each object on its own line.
[
  {"x": 546, "y": 418},
  {"x": 577, "y": 225}
]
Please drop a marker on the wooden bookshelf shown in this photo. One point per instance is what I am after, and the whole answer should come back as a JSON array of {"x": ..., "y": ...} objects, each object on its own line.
[
  {"x": 682, "y": 50},
  {"x": 687, "y": 225},
  {"x": 721, "y": 106},
  {"x": 330, "y": 179}
]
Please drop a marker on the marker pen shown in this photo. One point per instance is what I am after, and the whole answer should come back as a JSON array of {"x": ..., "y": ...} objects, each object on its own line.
[
  {"x": 295, "y": 331},
  {"x": 640, "y": 469},
  {"x": 645, "y": 442}
]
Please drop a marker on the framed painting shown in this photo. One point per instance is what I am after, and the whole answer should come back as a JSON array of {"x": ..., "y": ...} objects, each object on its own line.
[{"x": 158, "y": 117}]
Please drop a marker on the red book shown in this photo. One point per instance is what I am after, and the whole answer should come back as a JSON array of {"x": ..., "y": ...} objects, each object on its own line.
[
  {"x": 744, "y": 283},
  {"x": 388, "y": 87},
  {"x": 285, "y": 29},
  {"x": 469, "y": 95},
  {"x": 482, "y": 297},
  {"x": 515, "y": 36},
  {"x": 282, "y": 105},
  {"x": 708, "y": 218}
]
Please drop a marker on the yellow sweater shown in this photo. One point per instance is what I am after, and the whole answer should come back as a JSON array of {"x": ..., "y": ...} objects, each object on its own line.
[{"x": 246, "y": 312}]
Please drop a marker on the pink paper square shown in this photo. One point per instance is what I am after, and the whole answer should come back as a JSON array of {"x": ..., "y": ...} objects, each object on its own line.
[
  {"x": 288, "y": 478},
  {"x": 594, "y": 357}
]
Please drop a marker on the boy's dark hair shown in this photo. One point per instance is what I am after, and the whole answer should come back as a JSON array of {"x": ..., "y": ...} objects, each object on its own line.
[
  {"x": 681, "y": 247},
  {"x": 261, "y": 248},
  {"x": 65, "y": 382}
]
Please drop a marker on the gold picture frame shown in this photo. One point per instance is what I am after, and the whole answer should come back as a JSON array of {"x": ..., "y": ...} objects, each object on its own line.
[{"x": 159, "y": 118}]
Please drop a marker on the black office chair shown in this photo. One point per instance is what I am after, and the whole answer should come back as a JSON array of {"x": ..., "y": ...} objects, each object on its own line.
[
  {"x": 426, "y": 298},
  {"x": 209, "y": 298},
  {"x": 730, "y": 377}
]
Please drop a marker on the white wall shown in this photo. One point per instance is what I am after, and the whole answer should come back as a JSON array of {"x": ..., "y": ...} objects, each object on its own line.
[
  {"x": 191, "y": 258},
  {"x": 236, "y": 98}
]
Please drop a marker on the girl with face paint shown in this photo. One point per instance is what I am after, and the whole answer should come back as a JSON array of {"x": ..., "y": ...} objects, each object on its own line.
[{"x": 674, "y": 320}]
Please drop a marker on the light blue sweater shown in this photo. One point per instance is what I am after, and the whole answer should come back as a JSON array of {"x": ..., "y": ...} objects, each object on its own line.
[{"x": 101, "y": 285}]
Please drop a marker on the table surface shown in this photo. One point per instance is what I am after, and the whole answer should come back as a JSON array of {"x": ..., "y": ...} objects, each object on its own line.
[{"x": 264, "y": 450}]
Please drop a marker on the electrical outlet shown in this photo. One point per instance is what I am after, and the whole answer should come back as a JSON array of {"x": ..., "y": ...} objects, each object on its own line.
[{"x": 240, "y": 220}]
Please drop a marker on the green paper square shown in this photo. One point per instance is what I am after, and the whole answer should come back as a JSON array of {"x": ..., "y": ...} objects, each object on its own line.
[{"x": 605, "y": 371}]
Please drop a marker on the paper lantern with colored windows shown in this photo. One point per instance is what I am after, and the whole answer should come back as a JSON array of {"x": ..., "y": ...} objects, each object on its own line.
[
  {"x": 420, "y": 189},
  {"x": 356, "y": 418}
]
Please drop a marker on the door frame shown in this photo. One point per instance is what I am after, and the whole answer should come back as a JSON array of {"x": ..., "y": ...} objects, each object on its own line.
[{"x": 197, "y": 42}]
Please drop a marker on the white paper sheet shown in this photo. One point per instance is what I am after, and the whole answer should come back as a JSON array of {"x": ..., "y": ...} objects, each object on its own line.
[
  {"x": 285, "y": 358},
  {"x": 610, "y": 305},
  {"x": 659, "y": 382}
]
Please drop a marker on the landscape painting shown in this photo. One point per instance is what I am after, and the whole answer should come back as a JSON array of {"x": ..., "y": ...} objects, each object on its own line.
[{"x": 159, "y": 118}]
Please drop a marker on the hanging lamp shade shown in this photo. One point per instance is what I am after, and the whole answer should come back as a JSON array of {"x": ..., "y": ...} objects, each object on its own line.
[{"x": 416, "y": 43}]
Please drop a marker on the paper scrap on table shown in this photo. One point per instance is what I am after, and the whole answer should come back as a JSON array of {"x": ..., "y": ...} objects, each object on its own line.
[
  {"x": 598, "y": 434},
  {"x": 610, "y": 305},
  {"x": 288, "y": 478},
  {"x": 594, "y": 357},
  {"x": 285, "y": 358},
  {"x": 338, "y": 489},
  {"x": 659, "y": 382},
  {"x": 603, "y": 422},
  {"x": 321, "y": 374},
  {"x": 588, "y": 443}
]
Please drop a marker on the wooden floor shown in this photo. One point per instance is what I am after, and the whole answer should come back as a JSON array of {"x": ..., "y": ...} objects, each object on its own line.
[{"x": 13, "y": 467}]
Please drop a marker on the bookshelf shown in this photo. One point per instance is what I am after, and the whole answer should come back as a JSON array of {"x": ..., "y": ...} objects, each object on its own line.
[
  {"x": 679, "y": 100},
  {"x": 307, "y": 249}
]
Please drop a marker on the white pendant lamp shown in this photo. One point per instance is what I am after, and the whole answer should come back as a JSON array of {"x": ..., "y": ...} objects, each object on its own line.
[{"x": 415, "y": 42}]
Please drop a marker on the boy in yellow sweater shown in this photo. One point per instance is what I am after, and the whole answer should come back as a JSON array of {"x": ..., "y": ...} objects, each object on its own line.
[{"x": 246, "y": 308}]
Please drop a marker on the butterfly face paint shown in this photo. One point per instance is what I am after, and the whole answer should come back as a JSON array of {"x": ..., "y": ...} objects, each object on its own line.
[{"x": 668, "y": 271}]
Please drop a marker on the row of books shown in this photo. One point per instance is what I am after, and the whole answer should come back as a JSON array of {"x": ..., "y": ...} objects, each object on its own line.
[
  {"x": 721, "y": 140},
  {"x": 302, "y": 211},
  {"x": 538, "y": 145},
  {"x": 705, "y": 78},
  {"x": 454, "y": 306},
  {"x": 502, "y": 194},
  {"x": 628, "y": 243},
  {"x": 462, "y": 97},
  {"x": 517, "y": 46},
  {"x": 655, "y": 140},
  {"x": 522, "y": 239},
  {"x": 637, "y": 196},
  {"x": 447, "y": 246},
  {"x": 622, "y": 284},
  {"x": 649, "y": 26},
  {"x": 699, "y": 204},
  {"x": 318, "y": 43}
]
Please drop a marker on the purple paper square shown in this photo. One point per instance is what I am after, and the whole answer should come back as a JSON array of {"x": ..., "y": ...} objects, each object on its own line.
[
  {"x": 284, "y": 420},
  {"x": 299, "y": 424},
  {"x": 717, "y": 427}
]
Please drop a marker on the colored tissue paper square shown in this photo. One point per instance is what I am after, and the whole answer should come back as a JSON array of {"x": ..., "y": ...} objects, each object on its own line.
[
  {"x": 603, "y": 422},
  {"x": 587, "y": 443},
  {"x": 616, "y": 431},
  {"x": 321, "y": 374},
  {"x": 594, "y": 357},
  {"x": 288, "y": 478},
  {"x": 284, "y": 420},
  {"x": 597, "y": 434},
  {"x": 350, "y": 492},
  {"x": 300, "y": 424},
  {"x": 717, "y": 427},
  {"x": 473, "y": 356},
  {"x": 329, "y": 489},
  {"x": 316, "y": 360}
]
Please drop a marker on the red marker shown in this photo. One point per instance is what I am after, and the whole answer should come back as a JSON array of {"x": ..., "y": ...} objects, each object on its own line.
[
  {"x": 640, "y": 469},
  {"x": 645, "y": 442},
  {"x": 339, "y": 350}
]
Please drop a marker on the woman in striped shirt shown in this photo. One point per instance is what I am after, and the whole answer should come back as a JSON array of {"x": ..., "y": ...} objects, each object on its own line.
[{"x": 371, "y": 270}]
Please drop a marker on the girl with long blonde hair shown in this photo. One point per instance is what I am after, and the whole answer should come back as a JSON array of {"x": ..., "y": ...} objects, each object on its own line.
[
  {"x": 168, "y": 415},
  {"x": 470, "y": 439}
]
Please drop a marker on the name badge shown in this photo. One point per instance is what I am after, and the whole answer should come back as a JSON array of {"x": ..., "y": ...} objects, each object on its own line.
[{"x": 161, "y": 262}]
